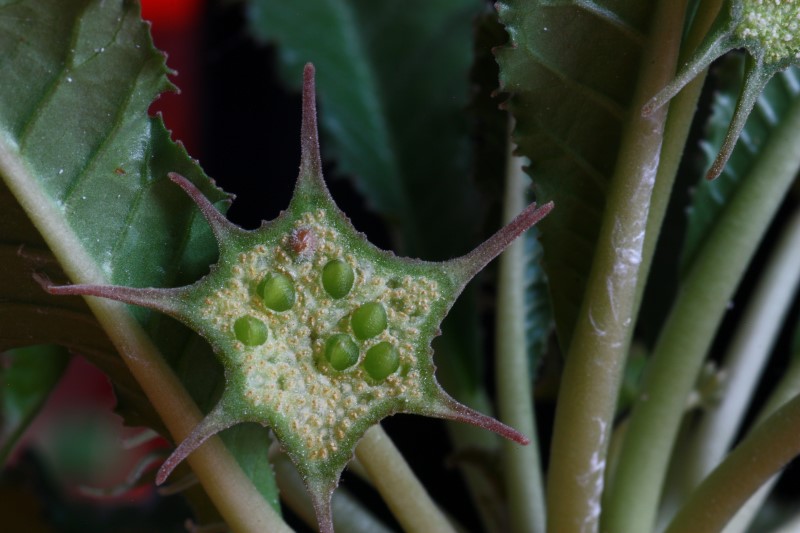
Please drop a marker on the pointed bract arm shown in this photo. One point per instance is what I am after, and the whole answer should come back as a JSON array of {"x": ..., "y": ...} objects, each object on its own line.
[
  {"x": 449, "y": 409},
  {"x": 220, "y": 225},
  {"x": 164, "y": 300},
  {"x": 217, "y": 420},
  {"x": 464, "y": 268}
]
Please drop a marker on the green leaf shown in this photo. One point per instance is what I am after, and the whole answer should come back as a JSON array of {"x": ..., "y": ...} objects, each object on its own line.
[
  {"x": 392, "y": 84},
  {"x": 710, "y": 197},
  {"x": 538, "y": 309},
  {"x": 570, "y": 71},
  {"x": 84, "y": 171},
  {"x": 28, "y": 376}
]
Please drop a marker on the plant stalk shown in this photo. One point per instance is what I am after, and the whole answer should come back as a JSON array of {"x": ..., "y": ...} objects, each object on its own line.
[
  {"x": 688, "y": 332},
  {"x": 523, "y": 475},
  {"x": 748, "y": 354},
  {"x": 397, "y": 484},
  {"x": 596, "y": 356},
  {"x": 761, "y": 455},
  {"x": 787, "y": 388},
  {"x": 682, "y": 110}
]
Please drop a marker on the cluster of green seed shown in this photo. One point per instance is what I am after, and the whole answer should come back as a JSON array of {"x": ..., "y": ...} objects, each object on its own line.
[
  {"x": 774, "y": 24},
  {"x": 323, "y": 333}
]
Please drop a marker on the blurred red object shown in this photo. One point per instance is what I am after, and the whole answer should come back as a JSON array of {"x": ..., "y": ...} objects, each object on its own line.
[
  {"x": 171, "y": 13},
  {"x": 176, "y": 29}
]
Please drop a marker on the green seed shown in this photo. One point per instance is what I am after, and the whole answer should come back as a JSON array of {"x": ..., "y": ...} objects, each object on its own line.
[
  {"x": 250, "y": 331},
  {"x": 337, "y": 278},
  {"x": 277, "y": 291},
  {"x": 368, "y": 320},
  {"x": 381, "y": 361},
  {"x": 341, "y": 351}
]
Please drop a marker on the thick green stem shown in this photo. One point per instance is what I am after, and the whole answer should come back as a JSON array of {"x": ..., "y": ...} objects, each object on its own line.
[
  {"x": 788, "y": 388},
  {"x": 746, "y": 357},
  {"x": 679, "y": 121},
  {"x": 761, "y": 455},
  {"x": 239, "y": 502},
  {"x": 523, "y": 475},
  {"x": 596, "y": 356},
  {"x": 399, "y": 487},
  {"x": 689, "y": 330}
]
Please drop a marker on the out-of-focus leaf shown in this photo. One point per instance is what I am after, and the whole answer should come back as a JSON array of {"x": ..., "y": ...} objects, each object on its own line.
[
  {"x": 538, "y": 310},
  {"x": 489, "y": 123},
  {"x": 84, "y": 173},
  {"x": 570, "y": 70},
  {"x": 28, "y": 376},
  {"x": 392, "y": 79},
  {"x": 710, "y": 197}
]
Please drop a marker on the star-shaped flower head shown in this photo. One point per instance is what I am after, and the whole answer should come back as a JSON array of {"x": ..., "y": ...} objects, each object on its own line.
[
  {"x": 321, "y": 334},
  {"x": 770, "y": 32}
]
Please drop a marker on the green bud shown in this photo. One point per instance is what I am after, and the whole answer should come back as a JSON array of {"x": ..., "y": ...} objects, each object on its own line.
[
  {"x": 250, "y": 331},
  {"x": 277, "y": 291},
  {"x": 337, "y": 278},
  {"x": 368, "y": 320},
  {"x": 381, "y": 361},
  {"x": 341, "y": 351}
]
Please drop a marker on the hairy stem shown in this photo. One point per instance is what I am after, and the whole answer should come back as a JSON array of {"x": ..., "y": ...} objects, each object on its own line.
[
  {"x": 399, "y": 487},
  {"x": 523, "y": 476},
  {"x": 679, "y": 121},
  {"x": 787, "y": 388},
  {"x": 689, "y": 330},
  {"x": 747, "y": 356},
  {"x": 596, "y": 357}
]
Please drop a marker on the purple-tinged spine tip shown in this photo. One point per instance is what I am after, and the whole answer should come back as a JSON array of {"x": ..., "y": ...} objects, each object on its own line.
[
  {"x": 220, "y": 225},
  {"x": 466, "y": 267},
  {"x": 311, "y": 162}
]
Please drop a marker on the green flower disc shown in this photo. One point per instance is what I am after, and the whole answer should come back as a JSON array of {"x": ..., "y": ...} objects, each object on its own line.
[{"x": 774, "y": 25}]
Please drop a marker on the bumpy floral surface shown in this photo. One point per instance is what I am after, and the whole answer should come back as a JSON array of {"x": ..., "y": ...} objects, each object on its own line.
[{"x": 320, "y": 333}]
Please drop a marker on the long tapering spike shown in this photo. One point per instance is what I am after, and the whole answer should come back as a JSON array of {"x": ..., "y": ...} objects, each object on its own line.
[
  {"x": 164, "y": 300},
  {"x": 464, "y": 268},
  {"x": 217, "y": 420},
  {"x": 450, "y": 409},
  {"x": 721, "y": 44},
  {"x": 755, "y": 79},
  {"x": 220, "y": 225},
  {"x": 321, "y": 499},
  {"x": 310, "y": 159}
]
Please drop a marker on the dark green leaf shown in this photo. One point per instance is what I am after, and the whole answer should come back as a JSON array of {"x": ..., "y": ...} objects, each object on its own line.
[
  {"x": 392, "y": 80},
  {"x": 28, "y": 376},
  {"x": 538, "y": 310},
  {"x": 571, "y": 70},
  {"x": 89, "y": 167}
]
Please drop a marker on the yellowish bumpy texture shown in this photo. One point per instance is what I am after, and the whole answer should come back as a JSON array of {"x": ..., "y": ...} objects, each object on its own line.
[
  {"x": 775, "y": 24},
  {"x": 289, "y": 375}
]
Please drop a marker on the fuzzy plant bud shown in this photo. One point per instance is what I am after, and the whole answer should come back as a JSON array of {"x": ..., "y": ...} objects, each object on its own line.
[
  {"x": 277, "y": 291},
  {"x": 337, "y": 278},
  {"x": 321, "y": 334},
  {"x": 341, "y": 351}
]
